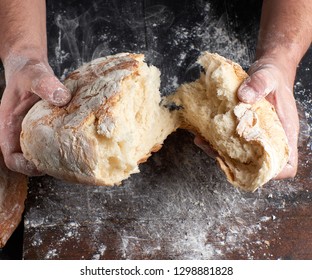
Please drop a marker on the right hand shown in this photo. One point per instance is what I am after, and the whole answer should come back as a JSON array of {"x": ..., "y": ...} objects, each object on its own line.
[
  {"x": 27, "y": 81},
  {"x": 273, "y": 79}
]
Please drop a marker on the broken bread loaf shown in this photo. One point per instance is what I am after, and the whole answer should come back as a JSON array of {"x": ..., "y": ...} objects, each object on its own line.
[
  {"x": 249, "y": 139},
  {"x": 113, "y": 122}
]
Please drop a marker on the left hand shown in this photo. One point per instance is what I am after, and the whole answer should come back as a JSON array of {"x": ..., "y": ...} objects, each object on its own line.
[{"x": 27, "y": 80}]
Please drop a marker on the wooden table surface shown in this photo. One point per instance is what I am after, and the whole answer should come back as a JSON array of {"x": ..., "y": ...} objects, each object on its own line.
[{"x": 180, "y": 206}]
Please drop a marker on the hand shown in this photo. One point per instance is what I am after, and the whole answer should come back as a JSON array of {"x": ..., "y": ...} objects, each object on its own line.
[
  {"x": 27, "y": 80},
  {"x": 273, "y": 80},
  {"x": 205, "y": 146}
]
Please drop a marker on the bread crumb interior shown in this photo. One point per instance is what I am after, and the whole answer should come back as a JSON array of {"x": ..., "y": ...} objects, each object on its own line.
[
  {"x": 140, "y": 126},
  {"x": 208, "y": 108}
]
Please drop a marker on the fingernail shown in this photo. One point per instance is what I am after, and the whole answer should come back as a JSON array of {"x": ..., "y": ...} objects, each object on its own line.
[
  {"x": 247, "y": 94},
  {"x": 61, "y": 97}
]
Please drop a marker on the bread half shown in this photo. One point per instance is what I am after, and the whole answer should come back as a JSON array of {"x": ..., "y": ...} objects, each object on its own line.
[
  {"x": 113, "y": 123},
  {"x": 249, "y": 139}
]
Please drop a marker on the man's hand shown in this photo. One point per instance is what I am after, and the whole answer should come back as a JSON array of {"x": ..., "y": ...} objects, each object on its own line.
[
  {"x": 23, "y": 52},
  {"x": 284, "y": 37},
  {"x": 274, "y": 81},
  {"x": 27, "y": 81}
]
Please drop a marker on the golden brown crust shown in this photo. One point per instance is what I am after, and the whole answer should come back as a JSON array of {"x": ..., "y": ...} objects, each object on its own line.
[
  {"x": 13, "y": 192},
  {"x": 113, "y": 123},
  {"x": 155, "y": 149},
  {"x": 91, "y": 106}
]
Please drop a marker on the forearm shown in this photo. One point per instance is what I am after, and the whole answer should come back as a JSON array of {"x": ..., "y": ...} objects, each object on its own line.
[
  {"x": 23, "y": 28},
  {"x": 284, "y": 37},
  {"x": 285, "y": 30}
]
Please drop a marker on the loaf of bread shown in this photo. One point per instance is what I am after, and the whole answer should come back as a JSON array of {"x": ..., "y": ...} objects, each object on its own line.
[
  {"x": 13, "y": 192},
  {"x": 113, "y": 122},
  {"x": 250, "y": 141}
]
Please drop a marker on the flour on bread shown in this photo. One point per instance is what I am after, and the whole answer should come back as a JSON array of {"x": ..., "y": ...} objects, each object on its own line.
[{"x": 113, "y": 123}]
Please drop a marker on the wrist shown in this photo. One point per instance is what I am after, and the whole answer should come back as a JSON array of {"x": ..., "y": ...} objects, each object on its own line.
[
  {"x": 279, "y": 53},
  {"x": 283, "y": 49},
  {"x": 27, "y": 51},
  {"x": 20, "y": 56},
  {"x": 280, "y": 59}
]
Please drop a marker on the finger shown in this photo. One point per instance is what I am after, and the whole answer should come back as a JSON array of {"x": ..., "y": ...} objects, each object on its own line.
[
  {"x": 205, "y": 146},
  {"x": 290, "y": 170},
  {"x": 288, "y": 115},
  {"x": 14, "y": 159},
  {"x": 257, "y": 86},
  {"x": 10, "y": 145},
  {"x": 18, "y": 163},
  {"x": 49, "y": 88}
]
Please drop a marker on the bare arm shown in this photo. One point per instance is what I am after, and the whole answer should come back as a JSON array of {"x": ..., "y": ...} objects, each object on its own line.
[
  {"x": 23, "y": 28},
  {"x": 23, "y": 51},
  {"x": 285, "y": 29},
  {"x": 284, "y": 37}
]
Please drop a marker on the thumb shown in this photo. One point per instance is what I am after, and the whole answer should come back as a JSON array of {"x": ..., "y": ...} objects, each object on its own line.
[
  {"x": 49, "y": 88},
  {"x": 257, "y": 86}
]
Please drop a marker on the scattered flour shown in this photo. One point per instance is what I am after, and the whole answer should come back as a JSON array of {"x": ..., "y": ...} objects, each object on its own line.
[
  {"x": 51, "y": 254},
  {"x": 100, "y": 253}
]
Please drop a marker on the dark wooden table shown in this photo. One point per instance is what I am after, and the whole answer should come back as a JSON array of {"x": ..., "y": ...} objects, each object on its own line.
[{"x": 180, "y": 206}]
